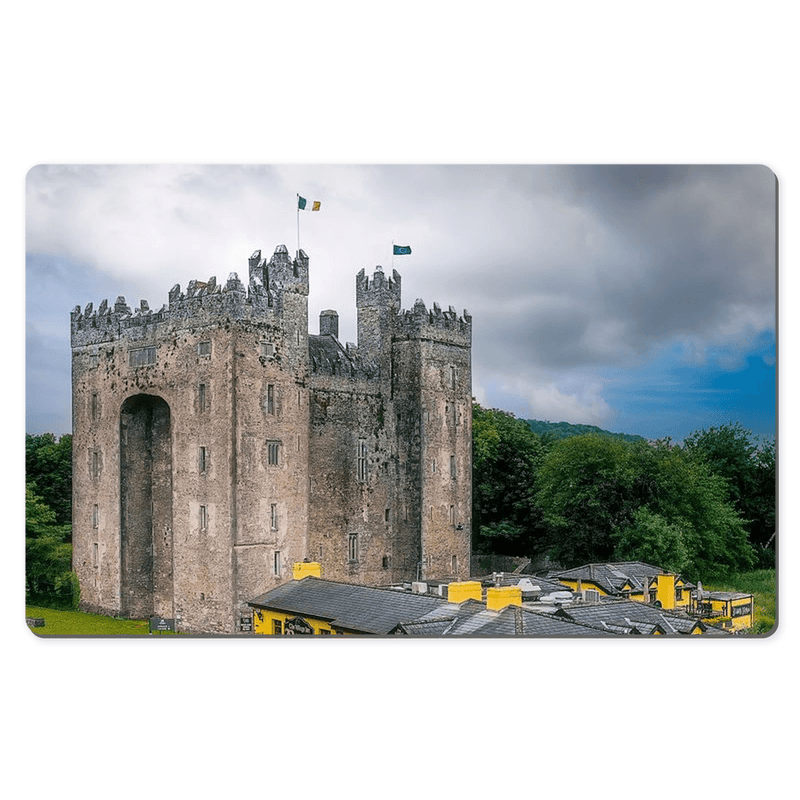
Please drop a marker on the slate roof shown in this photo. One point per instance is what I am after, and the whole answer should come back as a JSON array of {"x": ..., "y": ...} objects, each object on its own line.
[
  {"x": 613, "y": 577},
  {"x": 326, "y": 354},
  {"x": 360, "y": 609},
  {"x": 371, "y": 610},
  {"x": 612, "y": 613},
  {"x": 547, "y": 585},
  {"x": 725, "y": 595},
  {"x": 519, "y": 621}
]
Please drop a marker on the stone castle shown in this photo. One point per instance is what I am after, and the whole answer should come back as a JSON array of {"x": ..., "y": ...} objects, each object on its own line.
[{"x": 216, "y": 442}]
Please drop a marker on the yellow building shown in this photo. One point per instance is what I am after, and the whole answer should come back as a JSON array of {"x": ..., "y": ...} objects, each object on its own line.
[
  {"x": 311, "y": 605},
  {"x": 631, "y": 580},
  {"x": 731, "y": 610}
]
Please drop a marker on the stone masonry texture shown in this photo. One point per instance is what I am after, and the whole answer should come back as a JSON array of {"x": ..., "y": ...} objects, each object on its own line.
[{"x": 216, "y": 442}]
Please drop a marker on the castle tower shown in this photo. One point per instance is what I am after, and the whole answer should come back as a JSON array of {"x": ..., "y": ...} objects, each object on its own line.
[
  {"x": 432, "y": 392},
  {"x": 377, "y": 304},
  {"x": 190, "y": 446},
  {"x": 216, "y": 443}
]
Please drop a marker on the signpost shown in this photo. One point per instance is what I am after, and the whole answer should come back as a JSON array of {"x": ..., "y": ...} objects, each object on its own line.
[{"x": 160, "y": 624}]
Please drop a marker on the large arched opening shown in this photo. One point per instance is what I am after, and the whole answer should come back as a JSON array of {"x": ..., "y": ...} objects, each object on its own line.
[{"x": 146, "y": 507}]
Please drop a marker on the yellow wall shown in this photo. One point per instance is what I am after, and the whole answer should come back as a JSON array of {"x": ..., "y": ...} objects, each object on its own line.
[
  {"x": 302, "y": 569},
  {"x": 573, "y": 585},
  {"x": 498, "y": 597},
  {"x": 265, "y": 625},
  {"x": 726, "y": 608},
  {"x": 665, "y": 591},
  {"x": 464, "y": 590}
]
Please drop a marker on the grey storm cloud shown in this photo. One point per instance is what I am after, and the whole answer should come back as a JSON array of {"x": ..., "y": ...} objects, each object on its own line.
[{"x": 562, "y": 267}]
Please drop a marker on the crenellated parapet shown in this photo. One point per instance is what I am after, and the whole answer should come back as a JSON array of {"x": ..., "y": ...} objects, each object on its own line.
[
  {"x": 379, "y": 291},
  {"x": 421, "y": 323},
  {"x": 203, "y": 302}
]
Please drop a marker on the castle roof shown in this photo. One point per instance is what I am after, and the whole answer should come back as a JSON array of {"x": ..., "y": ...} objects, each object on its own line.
[{"x": 326, "y": 354}]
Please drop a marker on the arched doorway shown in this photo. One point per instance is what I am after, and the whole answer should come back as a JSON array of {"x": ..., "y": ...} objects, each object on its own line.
[{"x": 145, "y": 507}]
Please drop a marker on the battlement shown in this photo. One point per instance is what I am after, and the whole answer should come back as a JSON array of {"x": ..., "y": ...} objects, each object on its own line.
[
  {"x": 421, "y": 323},
  {"x": 280, "y": 272},
  {"x": 380, "y": 291},
  {"x": 201, "y": 303}
]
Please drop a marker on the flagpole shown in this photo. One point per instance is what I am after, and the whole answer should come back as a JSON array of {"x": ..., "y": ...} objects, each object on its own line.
[{"x": 298, "y": 226}]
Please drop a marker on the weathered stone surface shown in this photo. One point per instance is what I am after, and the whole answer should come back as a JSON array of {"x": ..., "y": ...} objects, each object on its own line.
[{"x": 216, "y": 443}]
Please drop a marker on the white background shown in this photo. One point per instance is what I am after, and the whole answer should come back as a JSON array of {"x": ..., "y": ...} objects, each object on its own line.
[{"x": 613, "y": 82}]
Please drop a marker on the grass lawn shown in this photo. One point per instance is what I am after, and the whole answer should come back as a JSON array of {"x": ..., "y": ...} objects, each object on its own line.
[
  {"x": 761, "y": 584},
  {"x": 76, "y": 623}
]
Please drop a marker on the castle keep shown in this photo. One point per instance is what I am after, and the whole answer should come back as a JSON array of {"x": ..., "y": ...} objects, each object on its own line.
[{"x": 216, "y": 442}]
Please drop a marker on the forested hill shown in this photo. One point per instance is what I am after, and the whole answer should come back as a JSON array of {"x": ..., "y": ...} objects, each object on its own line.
[{"x": 563, "y": 430}]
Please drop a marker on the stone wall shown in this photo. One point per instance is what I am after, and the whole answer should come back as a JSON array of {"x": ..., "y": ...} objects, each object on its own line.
[{"x": 216, "y": 443}]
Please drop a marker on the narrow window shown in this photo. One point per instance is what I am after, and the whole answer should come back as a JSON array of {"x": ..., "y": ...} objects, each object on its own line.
[
  {"x": 95, "y": 554},
  {"x": 452, "y": 466},
  {"x": 454, "y": 565},
  {"x": 452, "y": 515},
  {"x": 362, "y": 460},
  {"x": 276, "y": 563},
  {"x": 273, "y": 516},
  {"x": 204, "y": 348},
  {"x": 385, "y": 562},
  {"x": 273, "y": 453},
  {"x": 270, "y": 399},
  {"x": 352, "y": 547},
  {"x": 202, "y": 399},
  {"x": 431, "y": 513},
  {"x": 95, "y": 406},
  {"x": 203, "y": 460},
  {"x": 277, "y": 627},
  {"x": 96, "y": 517},
  {"x": 433, "y": 465},
  {"x": 142, "y": 356},
  {"x": 267, "y": 349},
  {"x": 203, "y": 518},
  {"x": 452, "y": 377},
  {"x": 386, "y": 515},
  {"x": 95, "y": 463}
]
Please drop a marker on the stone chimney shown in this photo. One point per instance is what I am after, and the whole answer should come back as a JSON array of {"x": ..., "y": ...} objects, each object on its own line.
[{"x": 329, "y": 323}]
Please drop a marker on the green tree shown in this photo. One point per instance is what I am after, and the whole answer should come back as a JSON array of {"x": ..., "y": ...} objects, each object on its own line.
[
  {"x": 654, "y": 540},
  {"x": 588, "y": 487},
  {"x": 49, "y": 579},
  {"x": 747, "y": 466},
  {"x": 506, "y": 456},
  {"x": 609, "y": 499},
  {"x": 48, "y": 469}
]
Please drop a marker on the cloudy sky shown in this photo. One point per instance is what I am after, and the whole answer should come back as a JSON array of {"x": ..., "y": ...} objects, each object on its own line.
[{"x": 637, "y": 298}]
